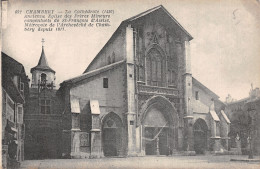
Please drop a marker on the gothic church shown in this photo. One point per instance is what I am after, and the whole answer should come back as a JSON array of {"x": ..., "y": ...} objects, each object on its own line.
[{"x": 138, "y": 97}]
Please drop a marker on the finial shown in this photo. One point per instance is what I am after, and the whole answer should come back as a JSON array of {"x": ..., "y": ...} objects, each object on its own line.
[{"x": 43, "y": 42}]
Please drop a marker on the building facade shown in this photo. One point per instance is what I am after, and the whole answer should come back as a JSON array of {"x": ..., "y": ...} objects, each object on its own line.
[
  {"x": 138, "y": 97},
  {"x": 43, "y": 114},
  {"x": 15, "y": 91}
]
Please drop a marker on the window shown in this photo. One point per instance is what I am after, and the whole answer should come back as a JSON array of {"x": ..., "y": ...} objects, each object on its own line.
[
  {"x": 171, "y": 78},
  {"x": 22, "y": 87},
  {"x": 108, "y": 60},
  {"x": 159, "y": 71},
  {"x": 43, "y": 77},
  {"x": 20, "y": 114},
  {"x": 10, "y": 110},
  {"x": 154, "y": 73},
  {"x": 154, "y": 68},
  {"x": 16, "y": 80},
  {"x": 197, "y": 95},
  {"x": 45, "y": 106},
  {"x": 113, "y": 57},
  {"x": 105, "y": 82},
  {"x": 148, "y": 70}
]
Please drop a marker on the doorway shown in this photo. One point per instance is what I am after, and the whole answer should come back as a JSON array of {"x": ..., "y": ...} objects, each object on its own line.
[
  {"x": 156, "y": 141},
  {"x": 200, "y": 136},
  {"x": 112, "y": 135}
]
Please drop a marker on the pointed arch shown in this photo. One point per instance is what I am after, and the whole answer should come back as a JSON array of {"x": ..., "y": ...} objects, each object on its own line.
[
  {"x": 112, "y": 132},
  {"x": 168, "y": 108},
  {"x": 157, "y": 47},
  {"x": 155, "y": 65},
  {"x": 114, "y": 116},
  {"x": 200, "y": 131},
  {"x": 159, "y": 124}
]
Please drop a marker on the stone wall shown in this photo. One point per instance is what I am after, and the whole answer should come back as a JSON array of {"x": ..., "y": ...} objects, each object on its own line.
[
  {"x": 111, "y": 99},
  {"x": 37, "y": 124}
]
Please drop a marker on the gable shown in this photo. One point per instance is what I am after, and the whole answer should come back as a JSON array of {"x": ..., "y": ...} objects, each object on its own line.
[
  {"x": 162, "y": 15},
  {"x": 159, "y": 16}
]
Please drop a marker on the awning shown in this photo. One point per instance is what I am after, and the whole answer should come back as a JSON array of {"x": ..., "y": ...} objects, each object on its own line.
[
  {"x": 214, "y": 115},
  {"x": 74, "y": 103},
  {"x": 94, "y": 106}
]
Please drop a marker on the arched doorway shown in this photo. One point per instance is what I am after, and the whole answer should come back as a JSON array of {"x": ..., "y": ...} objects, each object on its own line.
[
  {"x": 159, "y": 123},
  {"x": 200, "y": 130},
  {"x": 112, "y": 135}
]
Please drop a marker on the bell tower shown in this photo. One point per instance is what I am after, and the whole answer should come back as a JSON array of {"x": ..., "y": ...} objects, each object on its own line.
[{"x": 42, "y": 75}]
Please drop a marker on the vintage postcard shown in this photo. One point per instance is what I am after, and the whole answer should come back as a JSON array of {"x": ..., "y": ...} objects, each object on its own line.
[{"x": 130, "y": 84}]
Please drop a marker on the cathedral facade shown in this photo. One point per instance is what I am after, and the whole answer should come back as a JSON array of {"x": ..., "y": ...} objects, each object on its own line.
[{"x": 138, "y": 97}]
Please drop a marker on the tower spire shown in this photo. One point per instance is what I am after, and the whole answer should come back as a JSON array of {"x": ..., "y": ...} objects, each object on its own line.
[{"x": 42, "y": 63}]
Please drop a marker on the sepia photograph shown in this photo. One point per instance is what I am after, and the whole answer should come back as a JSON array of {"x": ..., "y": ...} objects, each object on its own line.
[{"x": 130, "y": 84}]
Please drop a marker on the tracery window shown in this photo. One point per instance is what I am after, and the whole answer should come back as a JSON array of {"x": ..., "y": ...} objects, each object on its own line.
[{"x": 154, "y": 68}]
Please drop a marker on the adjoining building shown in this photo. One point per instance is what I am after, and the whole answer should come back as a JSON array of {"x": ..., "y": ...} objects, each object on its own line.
[
  {"x": 244, "y": 116},
  {"x": 15, "y": 92},
  {"x": 138, "y": 97},
  {"x": 43, "y": 114}
]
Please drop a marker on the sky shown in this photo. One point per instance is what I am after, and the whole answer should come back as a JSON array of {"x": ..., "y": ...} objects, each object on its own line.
[{"x": 225, "y": 50}]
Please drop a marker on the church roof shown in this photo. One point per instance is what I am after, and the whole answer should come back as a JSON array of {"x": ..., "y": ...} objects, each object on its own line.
[
  {"x": 93, "y": 73},
  {"x": 134, "y": 18},
  {"x": 43, "y": 64},
  {"x": 160, "y": 7},
  {"x": 207, "y": 90}
]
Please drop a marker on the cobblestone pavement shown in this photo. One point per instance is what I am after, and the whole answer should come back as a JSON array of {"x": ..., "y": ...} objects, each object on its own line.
[{"x": 151, "y": 162}]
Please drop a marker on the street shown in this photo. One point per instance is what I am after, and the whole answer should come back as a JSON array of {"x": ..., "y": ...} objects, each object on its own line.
[{"x": 209, "y": 161}]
